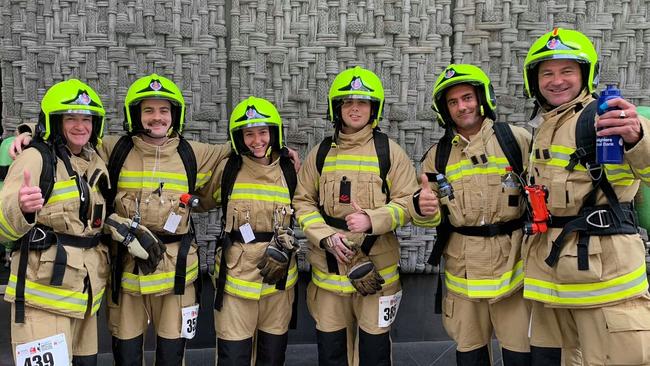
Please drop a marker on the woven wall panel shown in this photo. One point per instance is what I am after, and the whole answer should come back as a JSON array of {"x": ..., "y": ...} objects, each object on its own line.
[{"x": 221, "y": 51}]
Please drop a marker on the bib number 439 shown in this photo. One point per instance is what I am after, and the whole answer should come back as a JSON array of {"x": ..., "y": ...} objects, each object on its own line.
[{"x": 50, "y": 351}]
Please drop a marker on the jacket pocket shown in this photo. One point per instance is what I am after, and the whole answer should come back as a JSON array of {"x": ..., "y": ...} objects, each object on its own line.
[
  {"x": 75, "y": 271},
  {"x": 567, "y": 265},
  {"x": 455, "y": 207},
  {"x": 510, "y": 203},
  {"x": 628, "y": 333}
]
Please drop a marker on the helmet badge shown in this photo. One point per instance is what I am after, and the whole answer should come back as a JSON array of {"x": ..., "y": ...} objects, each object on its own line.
[
  {"x": 356, "y": 84},
  {"x": 552, "y": 43},
  {"x": 155, "y": 85},
  {"x": 83, "y": 99},
  {"x": 450, "y": 73}
]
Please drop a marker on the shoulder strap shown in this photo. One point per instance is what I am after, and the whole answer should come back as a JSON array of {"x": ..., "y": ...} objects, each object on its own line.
[
  {"x": 115, "y": 162},
  {"x": 509, "y": 145},
  {"x": 230, "y": 172},
  {"x": 585, "y": 138},
  {"x": 189, "y": 162},
  {"x": 323, "y": 150},
  {"x": 382, "y": 149},
  {"x": 46, "y": 180},
  {"x": 443, "y": 150},
  {"x": 289, "y": 173}
]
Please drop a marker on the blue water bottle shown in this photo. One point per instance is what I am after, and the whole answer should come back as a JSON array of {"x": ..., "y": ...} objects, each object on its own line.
[{"x": 609, "y": 149}]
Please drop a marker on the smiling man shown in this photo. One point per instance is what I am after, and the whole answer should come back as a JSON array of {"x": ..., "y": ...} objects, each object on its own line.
[
  {"x": 481, "y": 235},
  {"x": 587, "y": 273}
]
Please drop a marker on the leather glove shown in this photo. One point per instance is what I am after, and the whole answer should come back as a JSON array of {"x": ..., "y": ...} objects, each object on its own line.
[
  {"x": 274, "y": 264},
  {"x": 154, "y": 247},
  {"x": 339, "y": 246},
  {"x": 363, "y": 275},
  {"x": 119, "y": 228}
]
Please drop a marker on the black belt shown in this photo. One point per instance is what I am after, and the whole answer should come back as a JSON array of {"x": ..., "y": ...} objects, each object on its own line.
[
  {"x": 596, "y": 220},
  {"x": 262, "y": 236},
  {"x": 366, "y": 245},
  {"x": 502, "y": 228},
  {"x": 41, "y": 238},
  {"x": 168, "y": 239}
]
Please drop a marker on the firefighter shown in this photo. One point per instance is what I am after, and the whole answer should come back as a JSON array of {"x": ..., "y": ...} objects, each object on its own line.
[
  {"x": 481, "y": 235},
  {"x": 354, "y": 189},
  {"x": 586, "y": 274},
  {"x": 256, "y": 269},
  {"x": 52, "y": 205}
]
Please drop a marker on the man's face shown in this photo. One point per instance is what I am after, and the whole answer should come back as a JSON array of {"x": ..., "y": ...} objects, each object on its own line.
[
  {"x": 463, "y": 106},
  {"x": 560, "y": 81},
  {"x": 355, "y": 114},
  {"x": 156, "y": 116},
  {"x": 76, "y": 130}
]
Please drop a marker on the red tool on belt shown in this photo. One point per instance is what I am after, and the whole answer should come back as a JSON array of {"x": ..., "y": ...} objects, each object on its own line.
[
  {"x": 537, "y": 195},
  {"x": 189, "y": 200}
]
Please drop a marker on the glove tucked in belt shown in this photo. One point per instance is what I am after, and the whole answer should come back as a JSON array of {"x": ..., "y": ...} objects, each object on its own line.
[
  {"x": 141, "y": 243},
  {"x": 274, "y": 264},
  {"x": 363, "y": 275}
]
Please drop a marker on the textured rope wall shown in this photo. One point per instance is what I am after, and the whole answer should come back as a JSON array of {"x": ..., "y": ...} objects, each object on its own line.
[{"x": 289, "y": 51}]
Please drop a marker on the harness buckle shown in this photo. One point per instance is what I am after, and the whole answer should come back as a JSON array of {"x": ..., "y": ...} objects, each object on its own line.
[
  {"x": 35, "y": 231},
  {"x": 595, "y": 171},
  {"x": 601, "y": 216}
]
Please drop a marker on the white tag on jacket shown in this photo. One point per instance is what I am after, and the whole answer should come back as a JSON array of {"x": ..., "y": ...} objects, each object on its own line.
[
  {"x": 172, "y": 222},
  {"x": 47, "y": 351},
  {"x": 388, "y": 306},
  {"x": 190, "y": 315},
  {"x": 247, "y": 233}
]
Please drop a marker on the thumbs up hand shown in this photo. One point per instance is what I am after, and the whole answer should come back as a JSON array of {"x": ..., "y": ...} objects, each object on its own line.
[
  {"x": 428, "y": 201},
  {"x": 30, "y": 198},
  {"x": 359, "y": 221}
]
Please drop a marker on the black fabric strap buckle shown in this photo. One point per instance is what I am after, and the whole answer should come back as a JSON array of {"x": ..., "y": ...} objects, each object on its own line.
[{"x": 601, "y": 219}]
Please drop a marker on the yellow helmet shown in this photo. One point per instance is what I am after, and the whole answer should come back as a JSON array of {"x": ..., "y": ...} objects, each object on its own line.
[
  {"x": 456, "y": 74},
  {"x": 70, "y": 97},
  {"x": 153, "y": 87},
  {"x": 358, "y": 83},
  {"x": 561, "y": 44},
  {"x": 254, "y": 112}
]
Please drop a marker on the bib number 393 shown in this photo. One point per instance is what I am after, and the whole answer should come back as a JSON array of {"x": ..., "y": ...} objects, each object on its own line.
[
  {"x": 388, "y": 306},
  {"x": 50, "y": 351},
  {"x": 190, "y": 315}
]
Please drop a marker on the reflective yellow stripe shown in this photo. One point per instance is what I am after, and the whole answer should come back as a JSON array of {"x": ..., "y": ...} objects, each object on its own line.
[
  {"x": 5, "y": 228},
  {"x": 428, "y": 222},
  {"x": 486, "y": 288},
  {"x": 465, "y": 168},
  {"x": 644, "y": 174},
  {"x": 49, "y": 296},
  {"x": 397, "y": 215},
  {"x": 157, "y": 282},
  {"x": 260, "y": 192},
  {"x": 97, "y": 301},
  {"x": 307, "y": 220},
  {"x": 64, "y": 190},
  {"x": 143, "y": 179},
  {"x": 354, "y": 163},
  {"x": 255, "y": 290},
  {"x": 203, "y": 178},
  {"x": 217, "y": 196},
  {"x": 340, "y": 283},
  {"x": 622, "y": 287}
]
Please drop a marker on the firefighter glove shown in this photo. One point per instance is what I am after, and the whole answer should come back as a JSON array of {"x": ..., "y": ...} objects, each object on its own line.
[
  {"x": 363, "y": 275},
  {"x": 274, "y": 263},
  {"x": 154, "y": 247},
  {"x": 119, "y": 228}
]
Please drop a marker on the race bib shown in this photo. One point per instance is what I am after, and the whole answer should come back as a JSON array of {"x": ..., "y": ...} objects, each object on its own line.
[
  {"x": 50, "y": 351},
  {"x": 190, "y": 315},
  {"x": 388, "y": 306},
  {"x": 247, "y": 233}
]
